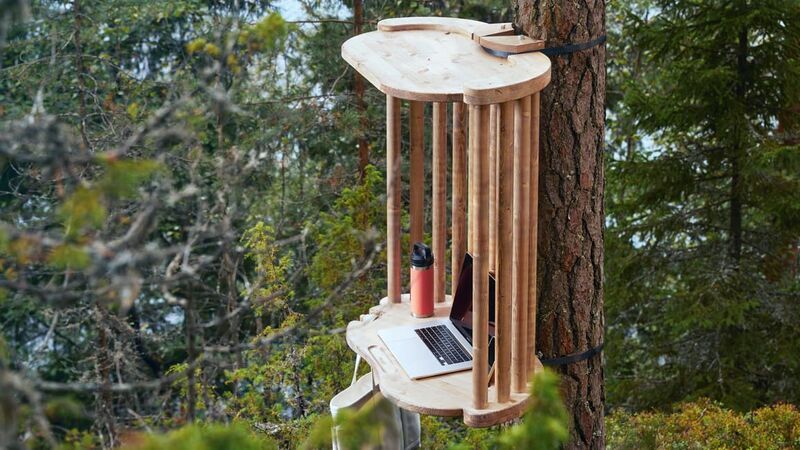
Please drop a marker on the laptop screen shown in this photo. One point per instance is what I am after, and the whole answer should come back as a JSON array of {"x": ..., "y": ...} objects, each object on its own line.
[{"x": 461, "y": 311}]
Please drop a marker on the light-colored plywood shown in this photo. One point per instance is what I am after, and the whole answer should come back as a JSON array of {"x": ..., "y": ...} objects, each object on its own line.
[
  {"x": 494, "y": 36},
  {"x": 443, "y": 395},
  {"x": 494, "y": 201},
  {"x": 440, "y": 66},
  {"x": 459, "y": 199},
  {"x": 511, "y": 44},
  {"x": 478, "y": 209},
  {"x": 492, "y": 29},
  {"x": 520, "y": 354},
  {"x": 439, "y": 200},
  {"x": 468, "y": 28},
  {"x": 416, "y": 178},
  {"x": 494, "y": 134},
  {"x": 534, "y": 224},
  {"x": 393, "y": 189},
  {"x": 464, "y": 27},
  {"x": 505, "y": 253}
]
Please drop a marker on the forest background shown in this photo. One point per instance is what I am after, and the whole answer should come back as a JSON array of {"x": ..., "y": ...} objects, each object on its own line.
[{"x": 190, "y": 216}]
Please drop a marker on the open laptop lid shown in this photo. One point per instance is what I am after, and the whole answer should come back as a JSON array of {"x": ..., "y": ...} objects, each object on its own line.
[{"x": 461, "y": 311}]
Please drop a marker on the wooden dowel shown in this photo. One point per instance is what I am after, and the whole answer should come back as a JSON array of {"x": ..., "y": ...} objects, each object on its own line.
[
  {"x": 471, "y": 123},
  {"x": 416, "y": 179},
  {"x": 478, "y": 210},
  {"x": 494, "y": 142},
  {"x": 459, "y": 245},
  {"x": 520, "y": 354},
  {"x": 439, "y": 200},
  {"x": 393, "y": 190},
  {"x": 534, "y": 227},
  {"x": 505, "y": 253}
]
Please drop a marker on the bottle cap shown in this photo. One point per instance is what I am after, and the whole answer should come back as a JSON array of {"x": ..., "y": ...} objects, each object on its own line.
[{"x": 421, "y": 255}]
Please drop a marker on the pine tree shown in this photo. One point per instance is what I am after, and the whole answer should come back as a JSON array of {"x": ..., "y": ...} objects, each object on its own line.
[
  {"x": 571, "y": 185},
  {"x": 704, "y": 211}
]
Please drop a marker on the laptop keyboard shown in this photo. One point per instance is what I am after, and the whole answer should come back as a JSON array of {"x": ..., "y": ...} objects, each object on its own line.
[{"x": 443, "y": 345}]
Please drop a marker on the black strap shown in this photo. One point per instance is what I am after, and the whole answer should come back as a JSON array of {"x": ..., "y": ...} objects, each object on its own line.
[
  {"x": 572, "y": 48},
  {"x": 573, "y": 358}
]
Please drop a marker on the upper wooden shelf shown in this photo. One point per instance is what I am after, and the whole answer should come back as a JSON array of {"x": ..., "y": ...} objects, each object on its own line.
[
  {"x": 439, "y": 59},
  {"x": 442, "y": 395}
]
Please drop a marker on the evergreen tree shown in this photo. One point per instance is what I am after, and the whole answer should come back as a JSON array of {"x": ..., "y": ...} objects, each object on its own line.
[{"x": 704, "y": 213}]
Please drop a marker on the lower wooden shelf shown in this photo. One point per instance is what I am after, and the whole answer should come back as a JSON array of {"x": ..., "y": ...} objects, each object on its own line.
[{"x": 442, "y": 395}]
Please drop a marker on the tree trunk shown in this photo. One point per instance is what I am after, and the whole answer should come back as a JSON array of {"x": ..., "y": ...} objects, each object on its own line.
[
  {"x": 740, "y": 150},
  {"x": 571, "y": 181}
]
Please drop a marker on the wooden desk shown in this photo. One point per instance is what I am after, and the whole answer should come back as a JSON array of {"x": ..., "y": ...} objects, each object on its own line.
[{"x": 442, "y": 395}]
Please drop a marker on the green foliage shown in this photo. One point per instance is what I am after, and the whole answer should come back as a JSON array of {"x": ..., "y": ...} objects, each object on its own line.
[
  {"x": 342, "y": 233},
  {"x": 83, "y": 209},
  {"x": 355, "y": 224},
  {"x": 441, "y": 433},
  {"x": 203, "y": 437},
  {"x": 705, "y": 424},
  {"x": 68, "y": 256},
  {"x": 365, "y": 427},
  {"x": 702, "y": 202},
  {"x": 122, "y": 176},
  {"x": 271, "y": 270},
  {"x": 79, "y": 440},
  {"x": 5, "y": 354},
  {"x": 545, "y": 426},
  {"x": 266, "y": 34},
  {"x": 242, "y": 128},
  {"x": 181, "y": 384}
]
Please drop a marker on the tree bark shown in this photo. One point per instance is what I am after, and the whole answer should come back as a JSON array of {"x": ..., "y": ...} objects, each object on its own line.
[
  {"x": 740, "y": 150},
  {"x": 571, "y": 183}
]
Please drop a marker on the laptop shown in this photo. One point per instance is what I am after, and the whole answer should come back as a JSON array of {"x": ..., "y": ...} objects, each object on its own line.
[{"x": 445, "y": 345}]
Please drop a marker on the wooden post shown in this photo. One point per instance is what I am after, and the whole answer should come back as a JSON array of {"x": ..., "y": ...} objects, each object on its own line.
[
  {"x": 494, "y": 142},
  {"x": 439, "y": 199},
  {"x": 505, "y": 253},
  {"x": 534, "y": 226},
  {"x": 459, "y": 245},
  {"x": 478, "y": 210},
  {"x": 393, "y": 189},
  {"x": 416, "y": 180},
  {"x": 522, "y": 120}
]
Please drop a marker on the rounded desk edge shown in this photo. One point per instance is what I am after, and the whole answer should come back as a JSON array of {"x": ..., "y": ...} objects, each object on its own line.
[{"x": 393, "y": 385}]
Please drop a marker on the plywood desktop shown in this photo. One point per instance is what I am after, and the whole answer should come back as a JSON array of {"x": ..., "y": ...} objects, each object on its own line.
[{"x": 443, "y": 395}]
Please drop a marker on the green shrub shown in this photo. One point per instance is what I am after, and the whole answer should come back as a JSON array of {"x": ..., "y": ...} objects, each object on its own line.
[
  {"x": 706, "y": 425},
  {"x": 202, "y": 437},
  {"x": 543, "y": 427}
]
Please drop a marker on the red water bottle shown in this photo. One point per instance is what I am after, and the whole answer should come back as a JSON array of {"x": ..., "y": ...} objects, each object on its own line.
[{"x": 421, "y": 280}]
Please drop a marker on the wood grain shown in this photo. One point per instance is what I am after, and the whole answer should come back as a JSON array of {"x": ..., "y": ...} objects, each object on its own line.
[
  {"x": 571, "y": 212},
  {"x": 495, "y": 36},
  {"x": 444, "y": 395},
  {"x": 439, "y": 200},
  {"x": 416, "y": 179},
  {"x": 393, "y": 189},
  {"x": 401, "y": 64},
  {"x": 505, "y": 253},
  {"x": 494, "y": 141},
  {"x": 479, "y": 202},
  {"x": 522, "y": 323},
  {"x": 510, "y": 44},
  {"x": 534, "y": 223},
  {"x": 459, "y": 197}
]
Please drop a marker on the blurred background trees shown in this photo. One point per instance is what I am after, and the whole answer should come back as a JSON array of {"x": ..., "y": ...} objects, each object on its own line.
[
  {"x": 187, "y": 221},
  {"x": 703, "y": 212}
]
